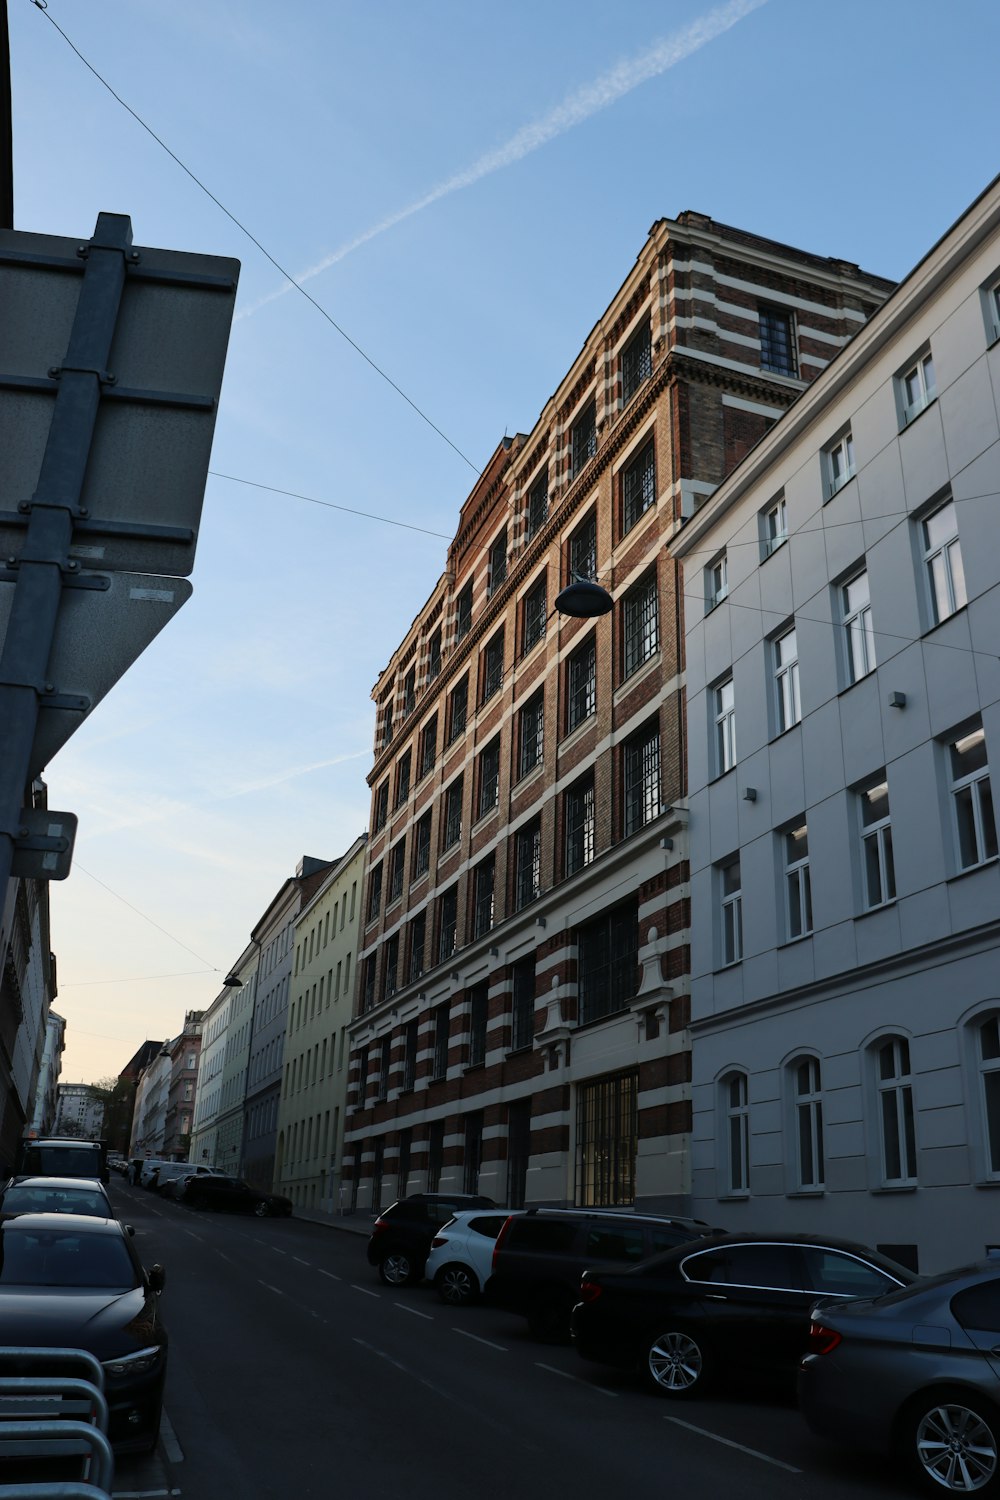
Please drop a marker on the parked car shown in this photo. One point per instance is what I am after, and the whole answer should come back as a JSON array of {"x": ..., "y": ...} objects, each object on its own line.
[
  {"x": 55, "y": 1195},
  {"x": 149, "y": 1172},
  {"x": 915, "y": 1373},
  {"x": 461, "y": 1255},
  {"x": 731, "y": 1303},
  {"x": 234, "y": 1195},
  {"x": 540, "y": 1256},
  {"x": 174, "y": 1171},
  {"x": 76, "y": 1283},
  {"x": 402, "y": 1234},
  {"x": 62, "y": 1156},
  {"x": 174, "y": 1186}
]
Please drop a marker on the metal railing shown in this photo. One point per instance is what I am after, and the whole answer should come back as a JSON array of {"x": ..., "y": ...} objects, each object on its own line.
[{"x": 53, "y": 1409}]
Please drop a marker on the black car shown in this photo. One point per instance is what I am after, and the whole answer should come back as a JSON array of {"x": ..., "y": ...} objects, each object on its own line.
[
  {"x": 76, "y": 1283},
  {"x": 401, "y": 1235},
  {"x": 540, "y": 1256},
  {"x": 55, "y": 1195},
  {"x": 731, "y": 1303},
  {"x": 234, "y": 1194}
]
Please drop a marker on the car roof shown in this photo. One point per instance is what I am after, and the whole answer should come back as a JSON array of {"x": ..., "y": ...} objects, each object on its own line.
[
  {"x": 64, "y": 1224},
  {"x": 619, "y": 1214},
  {"x": 759, "y": 1237},
  {"x": 61, "y": 1184}
]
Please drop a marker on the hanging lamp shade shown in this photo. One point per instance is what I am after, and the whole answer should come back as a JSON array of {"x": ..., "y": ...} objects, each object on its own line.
[{"x": 584, "y": 599}]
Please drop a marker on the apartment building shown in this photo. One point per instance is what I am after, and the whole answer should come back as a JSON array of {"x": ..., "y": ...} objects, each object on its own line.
[
  {"x": 523, "y": 991},
  {"x": 843, "y": 714},
  {"x": 208, "y": 1094},
  {"x": 185, "y": 1052}
]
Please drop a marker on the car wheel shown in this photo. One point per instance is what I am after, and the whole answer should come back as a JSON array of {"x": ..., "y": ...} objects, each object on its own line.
[
  {"x": 678, "y": 1364},
  {"x": 548, "y": 1315},
  {"x": 396, "y": 1268},
  {"x": 195, "y": 1200},
  {"x": 457, "y": 1285},
  {"x": 951, "y": 1442},
  {"x": 261, "y": 1210}
]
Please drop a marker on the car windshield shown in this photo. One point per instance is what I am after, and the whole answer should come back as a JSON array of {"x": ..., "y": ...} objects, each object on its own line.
[
  {"x": 41, "y": 1200},
  {"x": 57, "y": 1257}
]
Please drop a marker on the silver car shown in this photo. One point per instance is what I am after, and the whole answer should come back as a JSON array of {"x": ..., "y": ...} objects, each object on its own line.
[{"x": 916, "y": 1373}]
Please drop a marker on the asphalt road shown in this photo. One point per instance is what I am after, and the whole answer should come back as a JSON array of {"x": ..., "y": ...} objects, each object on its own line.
[{"x": 294, "y": 1373}]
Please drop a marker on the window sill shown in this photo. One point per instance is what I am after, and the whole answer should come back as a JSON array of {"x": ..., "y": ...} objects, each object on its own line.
[
  {"x": 645, "y": 669},
  {"x": 849, "y": 479},
  {"x": 793, "y": 942},
  {"x": 720, "y": 776},
  {"x": 724, "y": 968},
  {"x": 527, "y": 650},
  {"x": 871, "y": 911},
  {"x": 476, "y": 1067},
  {"x": 742, "y": 1196},
  {"x": 580, "y": 729},
  {"x": 806, "y": 1192},
  {"x": 972, "y": 869},
  {"x": 529, "y": 1047},
  {"x": 782, "y": 732},
  {"x": 896, "y": 1187},
  {"x": 770, "y": 548},
  {"x": 532, "y": 773},
  {"x": 909, "y": 421},
  {"x": 485, "y": 816}
]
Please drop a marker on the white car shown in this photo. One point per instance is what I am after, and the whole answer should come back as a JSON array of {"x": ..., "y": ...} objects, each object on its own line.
[{"x": 461, "y": 1256}]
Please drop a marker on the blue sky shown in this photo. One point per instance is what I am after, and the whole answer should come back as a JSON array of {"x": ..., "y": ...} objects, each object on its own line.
[{"x": 475, "y": 183}]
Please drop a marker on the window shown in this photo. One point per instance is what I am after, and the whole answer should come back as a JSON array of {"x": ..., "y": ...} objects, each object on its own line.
[
  {"x": 943, "y": 562},
  {"x": 375, "y": 892},
  {"x": 409, "y": 1056},
  {"x": 434, "y": 656},
  {"x": 403, "y": 1166},
  {"x": 808, "y": 1122},
  {"x": 915, "y": 388},
  {"x": 876, "y": 844},
  {"x": 895, "y": 1110},
  {"x": 428, "y": 745},
  {"x": 498, "y": 564},
  {"x": 489, "y": 779},
  {"x": 731, "y": 900},
  {"x": 390, "y": 972},
  {"x": 777, "y": 341},
  {"x": 418, "y": 937},
  {"x": 973, "y": 799},
  {"x": 381, "y": 812},
  {"x": 448, "y": 929},
  {"x": 638, "y": 486},
  {"x": 453, "y": 813},
  {"x": 607, "y": 1132},
  {"x": 518, "y": 1150},
  {"x": 580, "y": 825},
  {"x": 362, "y": 1077},
  {"x": 473, "y": 1152},
  {"x": 484, "y": 882},
  {"x": 403, "y": 779},
  {"x": 607, "y": 961},
  {"x": 642, "y": 625},
  {"x": 422, "y": 846},
  {"x": 798, "y": 886},
  {"x": 991, "y": 308},
  {"x": 716, "y": 581},
  {"x": 533, "y": 616},
  {"x": 839, "y": 464},
  {"x": 463, "y": 613},
  {"x": 773, "y": 527},
  {"x": 537, "y": 509},
  {"x": 724, "y": 701},
  {"x": 435, "y": 1154},
  {"x": 385, "y": 708},
  {"x": 368, "y": 988},
  {"x": 636, "y": 363},
  {"x": 493, "y": 666},
  {"x": 641, "y": 778},
  {"x": 458, "y": 708},
  {"x": 527, "y": 865},
  {"x": 478, "y": 1011},
  {"x": 788, "y": 708},
  {"x": 522, "y": 1029},
  {"x": 583, "y": 438},
  {"x": 441, "y": 1029},
  {"x": 409, "y": 692},
  {"x": 856, "y": 611},
  {"x": 737, "y": 1113},
  {"x": 989, "y": 1072},
  {"x": 397, "y": 865},
  {"x": 583, "y": 549},
  {"x": 530, "y": 735},
  {"x": 581, "y": 699}
]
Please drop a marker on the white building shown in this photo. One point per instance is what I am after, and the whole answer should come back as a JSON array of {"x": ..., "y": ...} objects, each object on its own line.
[
  {"x": 46, "y": 1090},
  {"x": 149, "y": 1122},
  {"x": 208, "y": 1093},
  {"x": 843, "y": 626},
  {"x": 79, "y": 1111}
]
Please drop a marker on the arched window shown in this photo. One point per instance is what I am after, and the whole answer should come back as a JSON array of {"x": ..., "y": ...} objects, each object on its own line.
[
  {"x": 895, "y": 1109},
  {"x": 808, "y": 1109},
  {"x": 736, "y": 1107},
  {"x": 988, "y": 1060}
]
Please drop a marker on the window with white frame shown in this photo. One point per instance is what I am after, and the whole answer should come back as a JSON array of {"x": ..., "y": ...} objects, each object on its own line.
[
  {"x": 839, "y": 463},
  {"x": 724, "y": 701},
  {"x": 915, "y": 388},
  {"x": 894, "y": 1087},
  {"x": 716, "y": 581},
  {"x": 943, "y": 561},
  {"x": 808, "y": 1102},
  {"x": 787, "y": 704},
  {"x": 990, "y": 294},
  {"x": 973, "y": 798},
  {"x": 988, "y": 1060},
  {"x": 798, "y": 884},
  {"x": 731, "y": 912},
  {"x": 876, "y": 845},
  {"x": 773, "y": 526},
  {"x": 856, "y": 613},
  {"x": 736, "y": 1107}
]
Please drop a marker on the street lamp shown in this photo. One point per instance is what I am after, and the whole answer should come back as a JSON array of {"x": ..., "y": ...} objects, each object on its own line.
[
  {"x": 583, "y": 599},
  {"x": 231, "y": 982}
]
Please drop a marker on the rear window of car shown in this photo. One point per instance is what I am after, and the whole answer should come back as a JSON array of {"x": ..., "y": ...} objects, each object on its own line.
[
  {"x": 662, "y": 1238},
  {"x": 548, "y": 1235},
  {"x": 62, "y": 1161},
  {"x": 489, "y": 1224},
  {"x": 50, "y": 1258},
  {"x": 17, "y": 1200},
  {"x": 614, "y": 1242},
  {"x": 979, "y": 1306}
]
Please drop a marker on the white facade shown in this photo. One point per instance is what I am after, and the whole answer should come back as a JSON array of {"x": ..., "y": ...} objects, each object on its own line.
[
  {"x": 46, "y": 1090},
  {"x": 150, "y": 1118},
  {"x": 843, "y": 708},
  {"x": 209, "y": 1089},
  {"x": 79, "y": 1111}
]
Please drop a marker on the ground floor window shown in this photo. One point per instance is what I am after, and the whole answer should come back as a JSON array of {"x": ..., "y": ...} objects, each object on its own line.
[
  {"x": 607, "y": 1137},
  {"x": 518, "y": 1147}
]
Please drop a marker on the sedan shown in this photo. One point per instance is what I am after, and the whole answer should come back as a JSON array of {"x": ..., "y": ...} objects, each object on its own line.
[
  {"x": 727, "y": 1303},
  {"x": 461, "y": 1257},
  {"x": 916, "y": 1373},
  {"x": 76, "y": 1283},
  {"x": 55, "y": 1195},
  {"x": 234, "y": 1194}
]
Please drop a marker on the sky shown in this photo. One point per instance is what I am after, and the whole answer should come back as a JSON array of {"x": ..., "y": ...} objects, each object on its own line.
[{"x": 461, "y": 189}]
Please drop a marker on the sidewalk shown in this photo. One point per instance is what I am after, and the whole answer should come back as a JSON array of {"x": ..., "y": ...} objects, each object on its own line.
[{"x": 353, "y": 1223}]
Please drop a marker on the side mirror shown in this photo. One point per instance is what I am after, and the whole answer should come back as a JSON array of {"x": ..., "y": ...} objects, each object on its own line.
[
  {"x": 157, "y": 1278},
  {"x": 130, "y": 1229}
]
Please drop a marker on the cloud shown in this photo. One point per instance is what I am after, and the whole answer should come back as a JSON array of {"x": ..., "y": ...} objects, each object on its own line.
[{"x": 579, "y": 106}]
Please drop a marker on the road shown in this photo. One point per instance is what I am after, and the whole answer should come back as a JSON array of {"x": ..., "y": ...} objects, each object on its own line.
[{"x": 294, "y": 1373}]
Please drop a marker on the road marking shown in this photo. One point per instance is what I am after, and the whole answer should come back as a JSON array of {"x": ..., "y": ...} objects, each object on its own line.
[
  {"x": 575, "y": 1379},
  {"x": 388, "y": 1359},
  {"x": 277, "y": 1251},
  {"x": 367, "y": 1293},
  {"x": 193, "y": 1235},
  {"x": 223, "y": 1256},
  {"x": 416, "y": 1313},
  {"x": 475, "y": 1337},
  {"x": 330, "y": 1274},
  {"x": 276, "y": 1290},
  {"x": 168, "y": 1438},
  {"x": 299, "y": 1259},
  {"x": 716, "y": 1437}
]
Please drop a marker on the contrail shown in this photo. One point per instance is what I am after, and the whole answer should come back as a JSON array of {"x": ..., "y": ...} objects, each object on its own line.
[{"x": 574, "y": 110}]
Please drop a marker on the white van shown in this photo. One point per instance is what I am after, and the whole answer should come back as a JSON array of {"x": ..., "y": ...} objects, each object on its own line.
[
  {"x": 153, "y": 1164},
  {"x": 168, "y": 1170}
]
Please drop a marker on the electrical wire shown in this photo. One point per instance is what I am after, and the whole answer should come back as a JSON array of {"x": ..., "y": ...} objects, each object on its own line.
[
  {"x": 368, "y": 515},
  {"x": 76, "y": 984},
  {"x": 212, "y": 968}
]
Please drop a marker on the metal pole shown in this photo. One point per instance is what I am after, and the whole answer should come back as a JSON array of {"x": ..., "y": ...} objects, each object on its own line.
[{"x": 6, "y": 128}]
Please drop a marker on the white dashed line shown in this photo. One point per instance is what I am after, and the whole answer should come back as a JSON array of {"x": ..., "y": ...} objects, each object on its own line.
[
  {"x": 275, "y": 1289},
  {"x": 330, "y": 1274},
  {"x": 299, "y": 1260},
  {"x": 277, "y": 1251},
  {"x": 575, "y": 1379},
  {"x": 477, "y": 1340},
  {"x": 417, "y": 1314},
  {"x": 356, "y": 1288},
  {"x": 168, "y": 1438},
  {"x": 753, "y": 1452}
]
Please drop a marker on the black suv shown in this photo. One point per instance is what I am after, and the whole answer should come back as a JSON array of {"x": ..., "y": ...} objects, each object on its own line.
[
  {"x": 401, "y": 1236},
  {"x": 540, "y": 1257}
]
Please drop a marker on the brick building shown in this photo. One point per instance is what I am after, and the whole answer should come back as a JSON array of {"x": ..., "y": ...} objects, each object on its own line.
[{"x": 523, "y": 1001}]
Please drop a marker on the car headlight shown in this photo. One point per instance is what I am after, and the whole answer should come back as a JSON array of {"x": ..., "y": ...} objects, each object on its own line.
[{"x": 139, "y": 1363}]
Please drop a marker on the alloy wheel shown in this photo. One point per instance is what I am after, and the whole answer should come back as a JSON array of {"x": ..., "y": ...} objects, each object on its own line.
[
  {"x": 956, "y": 1448},
  {"x": 457, "y": 1285},
  {"x": 394, "y": 1268},
  {"x": 676, "y": 1363}
]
